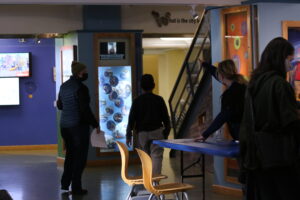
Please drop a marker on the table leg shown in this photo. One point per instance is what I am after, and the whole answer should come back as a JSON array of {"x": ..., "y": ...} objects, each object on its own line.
[
  {"x": 203, "y": 173},
  {"x": 181, "y": 166}
]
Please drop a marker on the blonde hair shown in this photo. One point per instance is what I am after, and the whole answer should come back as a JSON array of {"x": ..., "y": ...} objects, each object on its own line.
[{"x": 228, "y": 69}]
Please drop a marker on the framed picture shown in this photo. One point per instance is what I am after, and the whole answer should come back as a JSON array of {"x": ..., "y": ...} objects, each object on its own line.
[
  {"x": 237, "y": 45},
  {"x": 291, "y": 32},
  {"x": 67, "y": 54},
  {"x": 237, "y": 38}
]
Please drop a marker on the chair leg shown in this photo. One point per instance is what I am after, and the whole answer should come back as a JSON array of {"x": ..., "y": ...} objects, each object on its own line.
[
  {"x": 130, "y": 192},
  {"x": 176, "y": 196},
  {"x": 186, "y": 196},
  {"x": 150, "y": 197}
]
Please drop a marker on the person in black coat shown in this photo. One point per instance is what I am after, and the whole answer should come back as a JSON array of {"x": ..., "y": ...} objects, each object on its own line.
[
  {"x": 269, "y": 135},
  {"x": 232, "y": 99},
  {"x": 76, "y": 119}
]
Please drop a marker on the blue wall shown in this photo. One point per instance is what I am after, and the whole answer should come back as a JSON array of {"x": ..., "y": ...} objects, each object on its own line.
[
  {"x": 269, "y": 24},
  {"x": 32, "y": 122}
]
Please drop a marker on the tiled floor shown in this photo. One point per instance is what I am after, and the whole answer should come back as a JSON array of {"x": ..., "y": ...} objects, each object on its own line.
[{"x": 34, "y": 175}]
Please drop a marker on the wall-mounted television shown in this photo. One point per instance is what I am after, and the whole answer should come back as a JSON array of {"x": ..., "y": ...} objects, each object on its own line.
[
  {"x": 112, "y": 50},
  {"x": 15, "y": 64},
  {"x": 9, "y": 91}
]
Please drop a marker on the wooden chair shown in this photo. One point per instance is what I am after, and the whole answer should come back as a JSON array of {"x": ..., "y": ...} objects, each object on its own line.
[
  {"x": 162, "y": 189},
  {"x": 131, "y": 180}
]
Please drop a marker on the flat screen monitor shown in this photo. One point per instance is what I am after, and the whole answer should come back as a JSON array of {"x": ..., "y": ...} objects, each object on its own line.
[
  {"x": 9, "y": 91},
  {"x": 14, "y": 64},
  {"x": 112, "y": 50}
]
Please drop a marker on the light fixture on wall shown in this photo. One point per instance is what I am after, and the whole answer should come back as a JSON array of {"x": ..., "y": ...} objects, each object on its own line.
[
  {"x": 194, "y": 12},
  {"x": 22, "y": 40},
  {"x": 37, "y": 39}
]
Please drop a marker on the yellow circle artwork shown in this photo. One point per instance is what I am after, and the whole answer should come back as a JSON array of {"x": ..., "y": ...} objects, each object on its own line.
[{"x": 237, "y": 43}]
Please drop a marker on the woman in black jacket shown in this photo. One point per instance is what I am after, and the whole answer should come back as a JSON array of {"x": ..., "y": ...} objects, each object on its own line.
[
  {"x": 269, "y": 135},
  {"x": 232, "y": 100}
]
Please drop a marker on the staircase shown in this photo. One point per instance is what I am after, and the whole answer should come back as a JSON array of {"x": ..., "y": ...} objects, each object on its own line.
[{"x": 193, "y": 82}]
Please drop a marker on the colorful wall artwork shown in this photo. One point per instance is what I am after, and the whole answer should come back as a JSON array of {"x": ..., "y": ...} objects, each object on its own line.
[
  {"x": 237, "y": 38},
  {"x": 294, "y": 74}
]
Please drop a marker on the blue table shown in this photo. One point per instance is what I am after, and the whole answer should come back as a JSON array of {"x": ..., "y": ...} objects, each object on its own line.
[{"x": 209, "y": 147}]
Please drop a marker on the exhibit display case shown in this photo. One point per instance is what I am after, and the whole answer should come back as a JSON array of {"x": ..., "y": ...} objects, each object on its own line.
[{"x": 115, "y": 98}]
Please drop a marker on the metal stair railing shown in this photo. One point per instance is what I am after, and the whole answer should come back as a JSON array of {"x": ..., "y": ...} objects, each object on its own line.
[{"x": 189, "y": 76}]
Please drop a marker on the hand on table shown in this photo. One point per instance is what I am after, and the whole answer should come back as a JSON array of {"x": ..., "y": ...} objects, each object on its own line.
[{"x": 199, "y": 139}]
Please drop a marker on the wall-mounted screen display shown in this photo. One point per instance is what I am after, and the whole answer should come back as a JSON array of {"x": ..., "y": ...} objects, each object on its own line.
[
  {"x": 115, "y": 98},
  {"x": 68, "y": 55},
  {"x": 14, "y": 64},
  {"x": 9, "y": 91},
  {"x": 112, "y": 50}
]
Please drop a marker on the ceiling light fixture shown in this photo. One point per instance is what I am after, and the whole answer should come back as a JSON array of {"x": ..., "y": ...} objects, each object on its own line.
[{"x": 176, "y": 38}]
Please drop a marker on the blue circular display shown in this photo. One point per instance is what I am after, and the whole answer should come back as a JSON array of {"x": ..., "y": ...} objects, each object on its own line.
[
  {"x": 113, "y": 80},
  {"x": 111, "y": 125},
  {"x": 107, "y": 88},
  {"x": 118, "y": 117},
  {"x": 108, "y": 73},
  {"x": 119, "y": 102},
  {"x": 109, "y": 110},
  {"x": 113, "y": 95}
]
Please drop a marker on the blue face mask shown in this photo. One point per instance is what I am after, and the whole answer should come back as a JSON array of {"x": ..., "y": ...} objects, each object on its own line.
[
  {"x": 288, "y": 65},
  {"x": 84, "y": 77}
]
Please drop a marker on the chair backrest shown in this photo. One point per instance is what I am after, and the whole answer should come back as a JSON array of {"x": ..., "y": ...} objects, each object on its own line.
[
  {"x": 125, "y": 158},
  {"x": 147, "y": 171}
]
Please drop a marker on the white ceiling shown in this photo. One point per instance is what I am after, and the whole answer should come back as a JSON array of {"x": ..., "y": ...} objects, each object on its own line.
[{"x": 124, "y": 2}]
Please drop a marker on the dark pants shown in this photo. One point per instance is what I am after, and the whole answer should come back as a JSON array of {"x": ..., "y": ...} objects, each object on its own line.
[
  {"x": 273, "y": 184},
  {"x": 77, "y": 143}
]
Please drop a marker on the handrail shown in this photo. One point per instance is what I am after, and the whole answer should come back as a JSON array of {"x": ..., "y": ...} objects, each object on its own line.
[
  {"x": 188, "y": 55},
  {"x": 187, "y": 70}
]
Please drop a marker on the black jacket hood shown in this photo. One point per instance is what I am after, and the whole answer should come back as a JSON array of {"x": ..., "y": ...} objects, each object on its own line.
[{"x": 257, "y": 84}]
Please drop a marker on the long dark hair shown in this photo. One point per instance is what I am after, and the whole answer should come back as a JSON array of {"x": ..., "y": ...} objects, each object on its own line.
[
  {"x": 228, "y": 69},
  {"x": 273, "y": 58}
]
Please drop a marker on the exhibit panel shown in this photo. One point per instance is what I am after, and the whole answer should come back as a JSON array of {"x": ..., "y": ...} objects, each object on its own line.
[
  {"x": 115, "y": 99},
  {"x": 291, "y": 31},
  {"x": 117, "y": 74}
]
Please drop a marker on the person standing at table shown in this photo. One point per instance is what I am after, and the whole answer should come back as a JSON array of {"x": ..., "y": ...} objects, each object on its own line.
[
  {"x": 232, "y": 99},
  {"x": 269, "y": 136},
  {"x": 149, "y": 117},
  {"x": 76, "y": 119}
]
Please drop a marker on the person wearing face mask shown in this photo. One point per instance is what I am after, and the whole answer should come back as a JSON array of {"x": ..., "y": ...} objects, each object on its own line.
[
  {"x": 269, "y": 132},
  {"x": 76, "y": 119},
  {"x": 232, "y": 99}
]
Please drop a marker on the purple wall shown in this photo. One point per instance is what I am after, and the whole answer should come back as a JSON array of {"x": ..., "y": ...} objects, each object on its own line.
[{"x": 33, "y": 122}]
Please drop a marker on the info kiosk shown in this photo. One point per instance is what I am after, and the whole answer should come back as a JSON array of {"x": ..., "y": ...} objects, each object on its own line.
[{"x": 118, "y": 68}]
